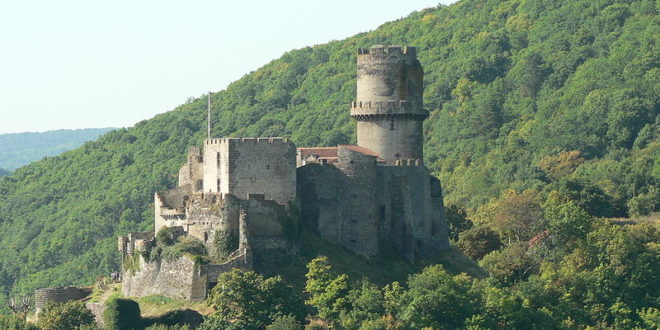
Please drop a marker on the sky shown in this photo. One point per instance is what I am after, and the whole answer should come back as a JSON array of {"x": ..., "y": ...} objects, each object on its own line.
[{"x": 86, "y": 64}]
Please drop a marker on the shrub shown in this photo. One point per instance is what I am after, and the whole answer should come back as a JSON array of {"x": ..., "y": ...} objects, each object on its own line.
[
  {"x": 185, "y": 245},
  {"x": 167, "y": 236},
  {"x": 224, "y": 242},
  {"x": 287, "y": 322},
  {"x": 122, "y": 314},
  {"x": 66, "y": 316},
  {"x": 15, "y": 323},
  {"x": 176, "y": 319}
]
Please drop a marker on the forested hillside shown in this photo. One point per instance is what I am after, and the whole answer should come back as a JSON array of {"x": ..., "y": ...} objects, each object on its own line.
[
  {"x": 542, "y": 103},
  {"x": 4, "y": 172},
  {"x": 18, "y": 149}
]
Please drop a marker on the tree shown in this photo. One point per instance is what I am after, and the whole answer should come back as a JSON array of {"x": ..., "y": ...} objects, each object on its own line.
[
  {"x": 511, "y": 264},
  {"x": 366, "y": 301},
  {"x": 436, "y": 299},
  {"x": 66, "y": 316},
  {"x": 286, "y": 322},
  {"x": 457, "y": 221},
  {"x": 478, "y": 241},
  {"x": 327, "y": 293},
  {"x": 567, "y": 222},
  {"x": 247, "y": 300}
]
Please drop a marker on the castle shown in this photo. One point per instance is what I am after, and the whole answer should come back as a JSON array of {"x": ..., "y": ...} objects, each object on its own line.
[{"x": 363, "y": 197}]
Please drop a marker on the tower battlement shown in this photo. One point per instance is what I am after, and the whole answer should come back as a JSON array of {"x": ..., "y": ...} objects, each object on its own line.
[
  {"x": 388, "y": 50},
  {"x": 218, "y": 141},
  {"x": 408, "y": 162},
  {"x": 389, "y": 108}
]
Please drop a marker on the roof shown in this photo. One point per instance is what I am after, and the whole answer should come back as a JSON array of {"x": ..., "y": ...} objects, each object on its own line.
[
  {"x": 359, "y": 149},
  {"x": 330, "y": 154},
  {"x": 319, "y": 151}
]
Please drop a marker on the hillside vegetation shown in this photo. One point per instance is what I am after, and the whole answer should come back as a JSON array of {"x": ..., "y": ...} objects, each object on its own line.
[
  {"x": 554, "y": 101},
  {"x": 18, "y": 149}
]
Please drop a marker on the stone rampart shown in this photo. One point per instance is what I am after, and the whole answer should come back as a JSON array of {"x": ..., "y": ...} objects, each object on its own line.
[{"x": 58, "y": 295}]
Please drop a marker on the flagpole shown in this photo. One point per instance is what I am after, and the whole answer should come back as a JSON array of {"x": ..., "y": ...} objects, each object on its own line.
[{"x": 208, "y": 116}]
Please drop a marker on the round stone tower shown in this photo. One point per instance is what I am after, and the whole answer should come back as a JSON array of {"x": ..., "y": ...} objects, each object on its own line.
[{"x": 389, "y": 108}]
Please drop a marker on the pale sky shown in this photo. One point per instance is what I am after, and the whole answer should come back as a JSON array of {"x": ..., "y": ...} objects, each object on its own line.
[{"x": 88, "y": 63}]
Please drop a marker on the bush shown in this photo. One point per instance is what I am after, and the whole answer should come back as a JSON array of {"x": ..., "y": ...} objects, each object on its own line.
[
  {"x": 122, "y": 314},
  {"x": 478, "y": 241},
  {"x": 177, "y": 319},
  {"x": 224, "y": 242},
  {"x": 287, "y": 322},
  {"x": 185, "y": 245},
  {"x": 167, "y": 236},
  {"x": 66, "y": 316},
  {"x": 13, "y": 322}
]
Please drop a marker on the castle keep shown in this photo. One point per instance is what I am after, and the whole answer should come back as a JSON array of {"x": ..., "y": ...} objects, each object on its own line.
[{"x": 363, "y": 197}]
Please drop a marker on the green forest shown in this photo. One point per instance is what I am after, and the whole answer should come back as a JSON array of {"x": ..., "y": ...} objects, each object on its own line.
[
  {"x": 544, "y": 131},
  {"x": 18, "y": 149}
]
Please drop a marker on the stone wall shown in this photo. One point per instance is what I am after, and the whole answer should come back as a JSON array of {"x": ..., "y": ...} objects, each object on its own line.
[
  {"x": 181, "y": 278},
  {"x": 192, "y": 172},
  {"x": 243, "y": 166},
  {"x": 340, "y": 201},
  {"x": 361, "y": 205},
  {"x": 59, "y": 295},
  {"x": 169, "y": 206},
  {"x": 412, "y": 213}
]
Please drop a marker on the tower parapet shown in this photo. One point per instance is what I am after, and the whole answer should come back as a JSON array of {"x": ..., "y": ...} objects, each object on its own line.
[{"x": 389, "y": 107}]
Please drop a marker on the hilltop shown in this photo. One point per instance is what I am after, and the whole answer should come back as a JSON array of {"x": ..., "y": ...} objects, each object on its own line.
[
  {"x": 522, "y": 94},
  {"x": 18, "y": 149}
]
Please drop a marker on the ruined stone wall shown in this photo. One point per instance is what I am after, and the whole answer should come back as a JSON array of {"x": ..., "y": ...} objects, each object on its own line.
[
  {"x": 59, "y": 295},
  {"x": 133, "y": 242},
  {"x": 192, "y": 172},
  {"x": 181, "y": 278},
  {"x": 169, "y": 206},
  {"x": 209, "y": 212}
]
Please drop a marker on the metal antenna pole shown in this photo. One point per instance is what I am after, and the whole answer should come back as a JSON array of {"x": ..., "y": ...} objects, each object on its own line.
[{"x": 209, "y": 116}]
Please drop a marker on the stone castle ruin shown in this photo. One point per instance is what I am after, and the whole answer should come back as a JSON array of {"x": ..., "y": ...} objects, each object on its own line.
[{"x": 362, "y": 197}]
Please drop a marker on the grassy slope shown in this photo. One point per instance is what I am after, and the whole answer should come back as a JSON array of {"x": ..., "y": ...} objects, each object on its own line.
[{"x": 59, "y": 216}]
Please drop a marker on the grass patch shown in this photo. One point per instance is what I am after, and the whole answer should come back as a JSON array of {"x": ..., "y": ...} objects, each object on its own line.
[
  {"x": 653, "y": 219},
  {"x": 380, "y": 271},
  {"x": 156, "y": 305}
]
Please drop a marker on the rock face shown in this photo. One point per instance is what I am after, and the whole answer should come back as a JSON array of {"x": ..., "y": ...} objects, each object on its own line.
[{"x": 364, "y": 197}]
